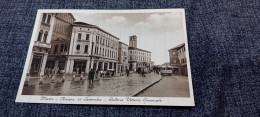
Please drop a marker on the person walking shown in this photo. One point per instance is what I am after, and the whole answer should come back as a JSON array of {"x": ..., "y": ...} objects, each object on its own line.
[
  {"x": 143, "y": 73},
  {"x": 91, "y": 76},
  {"x": 127, "y": 72}
]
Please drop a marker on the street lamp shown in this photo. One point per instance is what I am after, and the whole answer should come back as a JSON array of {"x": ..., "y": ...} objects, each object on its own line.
[{"x": 91, "y": 54}]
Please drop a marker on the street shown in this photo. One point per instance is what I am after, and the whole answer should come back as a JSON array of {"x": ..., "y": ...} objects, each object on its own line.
[
  {"x": 169, "y": 86},
  {"x": 115, "y": 86}
]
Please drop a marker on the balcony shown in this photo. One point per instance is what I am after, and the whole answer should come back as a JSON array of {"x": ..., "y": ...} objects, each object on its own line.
[{"x": 42, "y": 45}]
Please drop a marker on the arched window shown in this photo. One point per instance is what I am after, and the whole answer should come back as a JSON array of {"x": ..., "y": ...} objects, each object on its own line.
[
  {"x": 78, "y": 47},
  {"x": 40, "y": 36},
  {"x": 45, "y": 37},
  {"x": 49, "y": 19},
  {"x": 86, "y": 49},
  {"x": 44, "y": 17}
]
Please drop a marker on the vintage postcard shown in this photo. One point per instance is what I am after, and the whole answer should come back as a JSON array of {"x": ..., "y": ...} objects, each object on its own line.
[{"x": 108, "y": 57}]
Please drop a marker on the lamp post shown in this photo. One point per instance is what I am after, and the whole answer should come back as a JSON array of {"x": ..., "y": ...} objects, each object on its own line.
[{"x": 91, "y": 55}]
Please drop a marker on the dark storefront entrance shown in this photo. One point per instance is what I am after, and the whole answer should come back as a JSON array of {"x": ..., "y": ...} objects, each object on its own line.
[
  {"x": 36, "y": 65},
  {"x": 79, "y": 66}
]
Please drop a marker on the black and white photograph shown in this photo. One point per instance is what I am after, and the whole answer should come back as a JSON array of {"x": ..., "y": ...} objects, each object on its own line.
[{"x": 108, "y": 57}]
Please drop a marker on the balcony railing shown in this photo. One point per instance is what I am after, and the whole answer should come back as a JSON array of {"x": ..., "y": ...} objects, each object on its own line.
[{"x": 43, "y": 45}]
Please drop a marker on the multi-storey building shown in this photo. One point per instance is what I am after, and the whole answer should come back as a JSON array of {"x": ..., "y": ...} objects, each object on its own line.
[
  {"x": 138, "y": 58},
  {"x": 60, "y": 41},
  {"x": 91, "y": 48},
  {"x": 41, "y": 45},
  {"x": 122, "y": 57},
  {"x": 178, "y": 59}
]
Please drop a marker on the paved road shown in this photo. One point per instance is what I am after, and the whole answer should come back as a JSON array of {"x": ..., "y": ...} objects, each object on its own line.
[
  {"x": 169, "y": 86},
  {"x": 116, "y": 86}
]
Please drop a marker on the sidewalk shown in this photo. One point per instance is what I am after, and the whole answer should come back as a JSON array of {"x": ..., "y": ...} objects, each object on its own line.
[{"x": 114, "y": 86}]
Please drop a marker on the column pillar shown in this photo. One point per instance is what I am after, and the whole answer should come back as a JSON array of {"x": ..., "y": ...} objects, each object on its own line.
[
  {"x": 112, "y": 65},
  {"x": 43, "y": 64},
  {"x": 92, "y": 63},
  {"x": 97, "y": 65},
  {"x": 87, "y": 66},
  {"x": 30, "y": 63},
  {"x": 67, "y": 66},
  {"x": 107, "y": 65},
  {"x": 71, "y": 66},
  {"x": 103, "y": 65}
]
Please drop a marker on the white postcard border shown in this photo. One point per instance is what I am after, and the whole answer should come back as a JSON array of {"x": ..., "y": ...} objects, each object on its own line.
[{"x": 104, "y": 100}]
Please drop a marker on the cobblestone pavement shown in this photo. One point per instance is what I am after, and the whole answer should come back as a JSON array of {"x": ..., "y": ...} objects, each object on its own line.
[
  {"x": 115, "y": 86},
  {"x": 169, "y": 86}
]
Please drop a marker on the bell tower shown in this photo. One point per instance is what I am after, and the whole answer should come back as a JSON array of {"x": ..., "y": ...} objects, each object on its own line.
[{"x": 133, "y": 41}]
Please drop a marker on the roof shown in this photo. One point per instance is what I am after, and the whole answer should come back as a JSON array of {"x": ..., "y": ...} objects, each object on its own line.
[
  {"x": 72, "y": 16},
  {"x": 123, "y": 43},
  {"x": 138, "y": 49},
  {"x": 177, "y": 47},
  {"x": 83, "y": 24}
]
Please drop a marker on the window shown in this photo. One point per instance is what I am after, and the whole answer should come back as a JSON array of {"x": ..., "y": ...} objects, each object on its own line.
[
  {"x": 78, "y": 47},
  {"x": 45, "y": 37},
  {"x": 173, "y": 53},
  {"x": 86, "y": 49},
  {"x": 79, "y": 36},
  {"x": 39, "y": 36},
  {"x": 97, "y": 39},
  {"x": 49, "y": 19},
  {"x": 62, "y": 47},
  {"x": 56, "y": 48},
  {"x": 87, "y": 36},
  {"x": 44, "y": 17},
  {"x": 100, "y": 51}
]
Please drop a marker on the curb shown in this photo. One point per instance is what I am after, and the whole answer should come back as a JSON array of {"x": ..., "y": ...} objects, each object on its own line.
[{"x": 146, "y": 88}]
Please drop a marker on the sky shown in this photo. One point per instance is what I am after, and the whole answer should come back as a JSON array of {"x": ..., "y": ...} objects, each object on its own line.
[{"x": 156, "y": 32}]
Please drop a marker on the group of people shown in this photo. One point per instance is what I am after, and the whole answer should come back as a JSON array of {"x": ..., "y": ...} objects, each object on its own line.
[{"x": 48, "y": 72}]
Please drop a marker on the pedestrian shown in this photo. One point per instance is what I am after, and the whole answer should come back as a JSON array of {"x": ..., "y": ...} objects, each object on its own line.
[
  {"x": 91, "y": 76},
  {"x": 52, "y": 72},
  {"x": 96, "y": 74},
  {"x": 143, "y": 73},
  {"x": 46, "y": 72},
  {"x": 127, "y": 72},
  {"x": 101, "y": 73}
]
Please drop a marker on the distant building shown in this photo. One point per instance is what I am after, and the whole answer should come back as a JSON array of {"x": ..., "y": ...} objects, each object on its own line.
[
  {"x": 178, "y": 59},
  {"x": 138, "y": 58},
  {"x": 122, "y": 57},
  {"x": 91, "y": 48},
  {"x": 60, "y": 41},
  {"x": 41, "y": 45}
]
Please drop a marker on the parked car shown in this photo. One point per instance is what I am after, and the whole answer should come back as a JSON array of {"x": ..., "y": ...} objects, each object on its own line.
[{"x": 166, "y": 71}]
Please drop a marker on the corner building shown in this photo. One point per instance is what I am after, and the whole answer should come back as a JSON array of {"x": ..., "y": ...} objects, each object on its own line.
[
  {"x": 60, "y": 41},
  {"x": 178, "y": 60},
  {"x": 91, "y": 48},
  {"x": 138, "y": 58},
  {"x": 41, "y": 45},
  {"x": 122, "y": 57}
]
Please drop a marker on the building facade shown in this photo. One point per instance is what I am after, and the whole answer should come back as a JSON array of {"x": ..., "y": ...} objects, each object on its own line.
[
  {"x": 138, "y": 58},
  {"x": 178, "y": 59},
  {"x": 122, "y": 57},
  {"x": 41, "y": 45},
  {"x": 91, "y": 48},
  {"x": 60, "y": 41}
]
